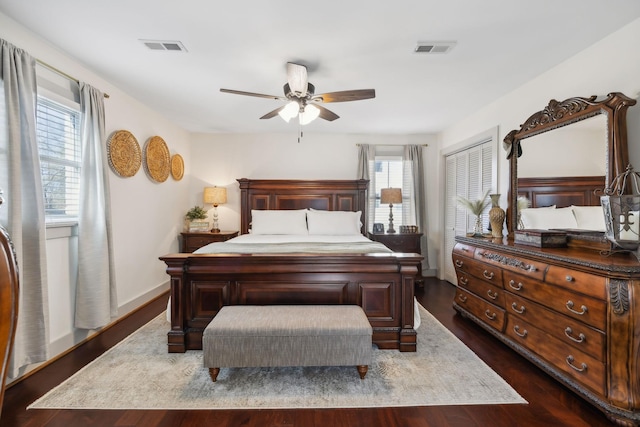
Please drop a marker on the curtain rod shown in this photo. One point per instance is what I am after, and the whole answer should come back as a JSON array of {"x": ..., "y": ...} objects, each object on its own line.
[
  {"x": 62, "y": 73},
  {"x": 391, "y": 145}
]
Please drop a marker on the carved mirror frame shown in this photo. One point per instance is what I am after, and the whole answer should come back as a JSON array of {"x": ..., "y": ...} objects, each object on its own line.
[{"x": 559, "y": 114}]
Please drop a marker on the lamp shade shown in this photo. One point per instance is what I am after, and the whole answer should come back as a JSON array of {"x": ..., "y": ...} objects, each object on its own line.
[
  {"x": 215, "y": 195},
  {"x": 391, "y": 196}
]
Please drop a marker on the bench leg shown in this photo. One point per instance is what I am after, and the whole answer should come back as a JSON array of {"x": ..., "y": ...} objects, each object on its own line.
[
  {"x": 213, "y": 373},
  {"x": 362, "y": 370}
]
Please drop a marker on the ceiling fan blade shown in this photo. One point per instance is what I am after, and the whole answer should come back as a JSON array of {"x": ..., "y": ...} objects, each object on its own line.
[
  {"x": 259, "y": 95},
  {"x": 273, "y": 113},
  {"x": 297, "y": 79},
  {"x": 326, "y": 114},
  {"x": 345, "y": 95}
]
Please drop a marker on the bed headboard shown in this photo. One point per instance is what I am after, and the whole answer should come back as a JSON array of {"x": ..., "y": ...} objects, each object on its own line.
[
  {"x": 271, "y": 194},
  {"x": 562, "y": 191}
]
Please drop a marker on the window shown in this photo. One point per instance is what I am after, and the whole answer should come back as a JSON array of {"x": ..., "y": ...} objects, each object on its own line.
[
  {"x": 388, "y": 170},
  {"x": 392, "y": 171},
  {"x": 58, "y": 132}
]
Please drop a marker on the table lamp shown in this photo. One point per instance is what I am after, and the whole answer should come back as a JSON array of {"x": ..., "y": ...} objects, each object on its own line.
[
  {"x": 391, "y": 196},
  {"x": 215, "y": 196}
]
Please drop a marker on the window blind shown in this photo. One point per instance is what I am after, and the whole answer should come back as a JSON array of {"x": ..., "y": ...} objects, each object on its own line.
[{"x": 58, "y": 133}]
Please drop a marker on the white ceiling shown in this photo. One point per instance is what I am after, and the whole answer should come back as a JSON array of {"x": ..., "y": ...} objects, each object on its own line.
[{"x": 347, "y": 44}]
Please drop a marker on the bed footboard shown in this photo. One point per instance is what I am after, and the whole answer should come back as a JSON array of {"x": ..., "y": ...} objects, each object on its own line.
[{"x": 382, "y": 284}]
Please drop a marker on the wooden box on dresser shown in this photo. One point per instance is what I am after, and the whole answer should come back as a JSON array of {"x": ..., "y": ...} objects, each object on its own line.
[{"x": 571, "y": 311}]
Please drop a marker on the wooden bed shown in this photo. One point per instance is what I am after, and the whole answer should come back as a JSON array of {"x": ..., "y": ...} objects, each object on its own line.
[
  {"x": 562, "y": 191},
  {"x": 568, "y": 191},
  {"x": 382, "y": 284}
]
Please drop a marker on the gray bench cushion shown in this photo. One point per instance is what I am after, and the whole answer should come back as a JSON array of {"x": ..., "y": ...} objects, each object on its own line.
[{"x": 285, "y": 335}]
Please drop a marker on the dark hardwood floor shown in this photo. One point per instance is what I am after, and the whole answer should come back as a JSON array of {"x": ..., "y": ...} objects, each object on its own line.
[{"x": 550, "y": 404}]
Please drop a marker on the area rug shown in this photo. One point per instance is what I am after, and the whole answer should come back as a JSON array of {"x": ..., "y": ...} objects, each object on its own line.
[{"x": 138, "y": 373}]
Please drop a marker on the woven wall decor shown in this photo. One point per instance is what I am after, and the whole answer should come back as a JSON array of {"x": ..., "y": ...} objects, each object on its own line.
[
  {"x": 177, "y": 167},
  {"x": 157, "y": 159},
  {"x": 124, "y": 153}
]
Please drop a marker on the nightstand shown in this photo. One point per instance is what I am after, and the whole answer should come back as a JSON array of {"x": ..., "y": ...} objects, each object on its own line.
[
  {"x": 400, "y": 242},
  {"x": 192, "y": 240}
]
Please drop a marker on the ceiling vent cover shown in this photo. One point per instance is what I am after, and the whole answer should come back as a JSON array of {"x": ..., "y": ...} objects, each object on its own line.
[
  {"x": 174, "y": 46},
  {"x": 434, "y": 47}
]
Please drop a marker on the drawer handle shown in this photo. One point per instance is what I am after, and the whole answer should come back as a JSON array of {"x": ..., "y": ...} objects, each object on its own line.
[
  {"x": 515, "y": 308},
  {"x": 570, "y": 305},
  {"x": 515, "y": 288},
  {"x": 462, "y": 298},
  {"x": 490, "y": 315},
  {"x": 569, "y": 278},
  {"x": 464, "y": 280},
  {"x": 570, "y": 360},
  {"x": 491, "y": 294},
  {"x": 488, "y": 274},
  {"x": 465, "y": 249},
  {"x": 522, "y": 334},
  {"x": 569, "y": 332},
  {"x": 459, "y": 263}
]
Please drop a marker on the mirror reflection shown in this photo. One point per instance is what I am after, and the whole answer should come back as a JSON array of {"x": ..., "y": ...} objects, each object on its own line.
[{"x": 579, "y": 149}]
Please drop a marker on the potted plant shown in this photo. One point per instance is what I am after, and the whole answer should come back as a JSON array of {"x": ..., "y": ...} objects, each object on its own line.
[
  {"x": 476, "y": 207},
  {"x": 193, "y": 215}
]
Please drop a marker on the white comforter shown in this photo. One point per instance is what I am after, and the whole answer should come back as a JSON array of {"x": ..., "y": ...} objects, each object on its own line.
[{"x": 271, "y": 243}]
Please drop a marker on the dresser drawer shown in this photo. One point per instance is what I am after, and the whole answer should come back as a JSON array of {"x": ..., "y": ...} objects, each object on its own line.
[
  {"x": 478, "y": 269},
  {"x": 582, "y": 367},
  {"x": 533, "y": 269},
  {"x": 578, "y": 281},
  {"x": 490, "y": 314},
  {"x": 463, "y": 249},
  {"x": 583, "y": 308},
  {"x": 193, "y": 243},
  {"x": 569, "y": 331},
  {"x": 482, "y": 288}
]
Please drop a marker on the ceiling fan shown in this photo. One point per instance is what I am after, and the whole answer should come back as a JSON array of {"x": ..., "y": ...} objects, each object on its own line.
[{"x": 303, "y": 102}]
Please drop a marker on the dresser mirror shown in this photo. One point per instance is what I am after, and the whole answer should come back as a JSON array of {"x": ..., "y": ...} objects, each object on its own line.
[{"x": 581, "y": 138}]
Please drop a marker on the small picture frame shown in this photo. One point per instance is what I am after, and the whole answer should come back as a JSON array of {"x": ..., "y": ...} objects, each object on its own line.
[{"x": 378, "y": 227}]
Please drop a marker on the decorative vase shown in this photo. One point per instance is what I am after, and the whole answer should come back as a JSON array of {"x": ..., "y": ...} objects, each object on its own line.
[
  {"x": 496, "y": 216},
  {"x": 477, "y": 228}
]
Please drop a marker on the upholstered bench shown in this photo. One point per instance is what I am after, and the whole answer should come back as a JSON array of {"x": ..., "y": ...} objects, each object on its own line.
[{"x": 287, "y": 335}]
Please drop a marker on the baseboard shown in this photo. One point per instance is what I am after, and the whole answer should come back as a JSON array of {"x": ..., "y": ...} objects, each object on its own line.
[{"x": 78, "y": 336}]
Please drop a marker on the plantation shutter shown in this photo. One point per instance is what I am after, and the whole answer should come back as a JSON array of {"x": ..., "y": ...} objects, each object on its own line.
[{"x": 468, "y": 173}]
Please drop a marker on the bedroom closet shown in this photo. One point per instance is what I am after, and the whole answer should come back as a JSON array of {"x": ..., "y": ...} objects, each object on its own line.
[{"x": 470, "y": 169}]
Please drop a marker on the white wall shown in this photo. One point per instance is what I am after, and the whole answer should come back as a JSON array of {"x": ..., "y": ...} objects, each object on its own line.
[
  {"x": 611, "y": 65},
  {"x": 222, "y": 158},
  {"x": 147, "y": 216}
]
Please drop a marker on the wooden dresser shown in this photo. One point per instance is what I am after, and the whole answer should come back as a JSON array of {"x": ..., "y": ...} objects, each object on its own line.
[{"x": 570, "y": 311}]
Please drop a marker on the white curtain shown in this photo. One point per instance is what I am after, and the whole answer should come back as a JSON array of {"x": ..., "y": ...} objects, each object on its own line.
[
  {"x": 96, "y": 299},
  {"x": 366, "y": 170},
  {"x": 413, "y": 173},
  {"x": 23, "y": 216}
]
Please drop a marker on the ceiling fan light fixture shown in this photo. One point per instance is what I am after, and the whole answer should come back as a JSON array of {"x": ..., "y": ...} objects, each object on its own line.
[
  {"x": 289, "y": 111},
  {"x": 310, "y": 113}
]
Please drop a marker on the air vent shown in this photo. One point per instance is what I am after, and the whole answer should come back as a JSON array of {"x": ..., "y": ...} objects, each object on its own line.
[
  {"x": 434, "y": 47},
  {"x": 174, "y": 46}
]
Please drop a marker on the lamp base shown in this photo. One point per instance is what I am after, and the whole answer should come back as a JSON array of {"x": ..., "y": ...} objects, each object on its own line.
[
  {"x": 391, "y": 229},
  {"x": 215, "y": 230}
]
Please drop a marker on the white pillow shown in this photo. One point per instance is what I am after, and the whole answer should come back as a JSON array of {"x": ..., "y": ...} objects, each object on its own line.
[
  {"x": 333, "y": 222},
  {"x": 589, "y": 217},
  {"x": 279, "y": 221},
  {"x": 545, "y": 218}
]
